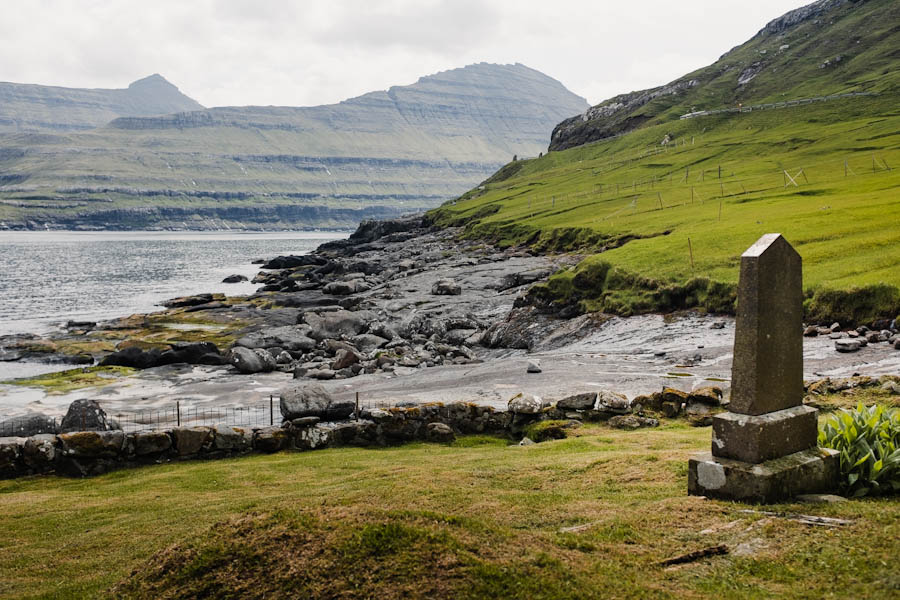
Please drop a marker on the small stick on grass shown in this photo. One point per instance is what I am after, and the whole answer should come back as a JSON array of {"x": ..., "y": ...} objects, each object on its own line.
[{"x": 695, "y": 555}]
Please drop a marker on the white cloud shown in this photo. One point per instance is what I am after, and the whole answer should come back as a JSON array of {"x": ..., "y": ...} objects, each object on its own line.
[{"x": 235, "y": 52}]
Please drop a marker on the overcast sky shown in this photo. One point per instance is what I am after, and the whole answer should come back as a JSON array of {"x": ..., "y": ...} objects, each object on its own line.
[{"x": 297, "y": 53}]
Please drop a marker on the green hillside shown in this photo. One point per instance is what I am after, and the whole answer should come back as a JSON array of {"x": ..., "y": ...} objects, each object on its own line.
[
  {"x": 666, "y": 223},
  {"x": 827, "y": 47}
]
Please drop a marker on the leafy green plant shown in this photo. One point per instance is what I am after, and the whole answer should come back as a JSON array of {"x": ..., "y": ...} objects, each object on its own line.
[{"x": 869, "y": 442}]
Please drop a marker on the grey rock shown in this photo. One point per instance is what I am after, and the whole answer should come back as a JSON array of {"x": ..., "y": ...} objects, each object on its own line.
[
  {"x": 446, "y": 287},
  {"x": 250, "y": 361},
  {"x": 525, "y": 404},
  {"x": 585, "y": 401},
  {"x": 290, "y": 338},
  {"x": 151, "y": 442},
  {"x": 345, "y": 288},
  {"x": 28, "y": 425},
  {"x": 304, "y": 421},
  {"x": 534, "y": 366},
  {"x": 39, "y": 452},
  {"x": 367, "y": 342},
  {"x": 820, "y": 498},
  {"x": 527, "y": 442},
  {"x": 614, "y": 402},
  {"x": 312, "y": 400},
  {"x": 230, "y": 439},
  {"x": 632, "y": 422},
  {"x": 234, "y": 279},
  {"x": 333, "y": 325},
  {"x": 191, "y": 440},
  {"x": 439, "y": 432},
  {"x": 269, "y": 439},
  {"x": 811, "y": 331},
  {"x": 284, "y": 358},
  {"x": 322, "y": 374},
  {"x": 85, "y": 415},
  {"x": 343, "y": 359},
  {"x": 846, "y": 345}
]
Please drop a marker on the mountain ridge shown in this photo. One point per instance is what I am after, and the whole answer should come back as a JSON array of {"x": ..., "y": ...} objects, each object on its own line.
[
  {"x": 378, "y": 154},
  {"x": 30, "y": 107}
]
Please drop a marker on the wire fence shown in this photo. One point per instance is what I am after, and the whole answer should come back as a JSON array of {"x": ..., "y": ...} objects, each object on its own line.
[
  {"x": 263, "y": 414},
  {"x": 773, "y": 105}
]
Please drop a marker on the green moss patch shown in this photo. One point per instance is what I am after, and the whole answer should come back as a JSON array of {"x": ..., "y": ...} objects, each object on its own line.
[{"x": 62, "y": 382}]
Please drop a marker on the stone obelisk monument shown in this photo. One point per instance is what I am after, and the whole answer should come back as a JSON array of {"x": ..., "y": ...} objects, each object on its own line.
[{"x": 764, "y": 449}]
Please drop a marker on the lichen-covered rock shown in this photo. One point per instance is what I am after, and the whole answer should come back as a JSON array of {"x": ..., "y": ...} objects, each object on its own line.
[
  {"x": 612, "y": 402},
  {"x": 269, "y": 439},
  {"x": 632, "y": 422},
  {"x": 230, "y": 439},
  {"x": 39, "y": 453},
  {"x": 709, "y": 395},
  {"x": 191, "y": 440},
  {"x": 10, "y": 457},
  {"x": 151, "y": 443},
  {"x": 312, "y": 400},
  {"x": 92, "y": 444},
  {"x": 446, "y": 287},
  {"x": 86, "y": 415},
  {"x": 584, "y": 401},
  {"x": 439, "y": 432},
  {"x": 525, "y": 404},
  {"x": 250, "y": 361}
]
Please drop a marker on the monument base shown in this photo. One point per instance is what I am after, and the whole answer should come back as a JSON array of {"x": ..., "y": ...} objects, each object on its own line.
[{"x": 810, "y": 471}]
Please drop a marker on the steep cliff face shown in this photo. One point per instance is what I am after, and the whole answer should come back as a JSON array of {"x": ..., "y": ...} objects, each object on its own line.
[
  {"x": 407, "y": 148},
  {"x": 27, "y": 107},
  {"x": 827, "y": 47}
]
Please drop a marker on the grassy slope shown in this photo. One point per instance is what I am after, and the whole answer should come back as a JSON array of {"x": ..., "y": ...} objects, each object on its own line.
[
  {"x": 845, "y": 227},
  {"x": 480, "y": 520}
]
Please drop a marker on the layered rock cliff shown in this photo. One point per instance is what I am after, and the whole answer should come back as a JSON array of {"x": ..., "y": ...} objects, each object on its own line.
[
  {"x": 28, "y": 107},
  {"x": 406, "y": 148}
]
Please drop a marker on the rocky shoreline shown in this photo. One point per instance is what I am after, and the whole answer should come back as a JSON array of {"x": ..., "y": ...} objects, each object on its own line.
[{"x": 402, "y": 312}]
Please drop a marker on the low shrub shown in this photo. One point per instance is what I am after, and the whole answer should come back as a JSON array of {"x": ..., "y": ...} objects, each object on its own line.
[{"x": 869, "y": 442}]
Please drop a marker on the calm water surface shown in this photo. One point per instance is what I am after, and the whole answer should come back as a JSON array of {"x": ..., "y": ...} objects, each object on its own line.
[{"x": 48, "y": 278}]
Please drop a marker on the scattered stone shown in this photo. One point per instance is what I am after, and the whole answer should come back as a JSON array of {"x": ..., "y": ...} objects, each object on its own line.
[
  {"x": 820, "y": 498},
  {"x": 846, "y": 345},
  {"x": 343, "y": 359},
  {"x": 235, "y": 279},
  {"x": 249, "y": 361},
  {"x": 874, "y": 337},
  {"x": 446, "y": 287},
  {"x": 836, "y": 335},
  {"x": 534, "y": 366},
  {"x": 718, "y": 325},
  {"x": 835, "y": 327},
  {"x": 289, "y": 337},
  {"x": 632, "y": 422},
  {"x": 890, "y": 387},
  {"x": 811, "y": 331},
  {"x": 612, "y": 402},
  {"x": 333, "y": 325},
  {"x": 527, "y": 442}
]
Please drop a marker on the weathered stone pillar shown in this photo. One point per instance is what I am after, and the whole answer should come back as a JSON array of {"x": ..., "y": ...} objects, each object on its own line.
[{"x": 764, "y": 449}]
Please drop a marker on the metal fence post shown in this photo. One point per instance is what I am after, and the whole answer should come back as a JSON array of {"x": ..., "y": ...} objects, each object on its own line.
[
  {"x": 178, "y": 412},
  {"x": 271, "y": 411}
]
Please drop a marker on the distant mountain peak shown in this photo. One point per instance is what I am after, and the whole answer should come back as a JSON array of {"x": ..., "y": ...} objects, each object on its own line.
[{"x": 151, "y": 80}]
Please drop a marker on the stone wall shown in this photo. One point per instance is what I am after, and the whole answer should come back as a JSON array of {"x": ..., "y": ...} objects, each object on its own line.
[{"x": 87, "y": 453}]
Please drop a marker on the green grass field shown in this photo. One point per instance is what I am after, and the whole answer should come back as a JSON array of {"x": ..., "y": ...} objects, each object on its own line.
[
  {"x": 825, "y": 175},
  {"x": 478, "y": 519}
]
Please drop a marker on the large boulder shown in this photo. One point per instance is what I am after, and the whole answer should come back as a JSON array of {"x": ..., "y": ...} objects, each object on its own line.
[
  {"x": 194, "y": 300},
  {"x": 289, "y": 337},
  {"x": 613, "y": 402},
  {"x": 313, "y": 400},
  {"x": 150, "y": 443},
  {"x": 440, "y": 433},
  {"x": 231, "y": 439},
  {"x": 338, "y": 323},
  {"x": 250, "y": 361},
  {"x": 28, "y": 425},
  {"x": 39, "y": 452},
  {"x": 86, "y": 415}
]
